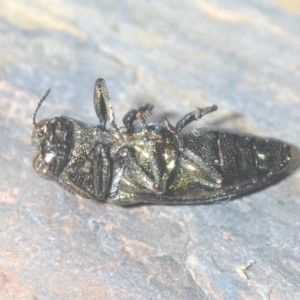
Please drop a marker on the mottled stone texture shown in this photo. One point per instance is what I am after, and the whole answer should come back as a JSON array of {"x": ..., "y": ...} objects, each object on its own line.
[{"x": 241, "y": 55}]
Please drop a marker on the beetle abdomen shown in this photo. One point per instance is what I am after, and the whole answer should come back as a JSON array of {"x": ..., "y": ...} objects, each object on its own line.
[
  {"x": 242, "y": 161},
  {"x": 250, "y": 159}
]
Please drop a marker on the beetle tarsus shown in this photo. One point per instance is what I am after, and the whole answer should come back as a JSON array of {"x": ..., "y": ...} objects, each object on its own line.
[
  {"x": 194, "y": 116},
  {"x": 131, "y": 116}
]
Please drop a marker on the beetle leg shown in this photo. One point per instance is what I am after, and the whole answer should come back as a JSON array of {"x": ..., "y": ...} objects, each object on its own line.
[
  {"x": 187, "y": 119},
  {"x": 174, "y": 131},
  {"x": 138, "y": 172},
  {"x": 132, "y": 115},
  {"x": 96, "y": 166},
  {"x": 103, "y": 107},
  {"x": 207, "y": 174},
  {"x": 194, "y": 116},
  {"x": 154, "y": 157},
  {"x": 192, "y": 161},
  {"x": 132, "y": 169},
  {"x": 101, "y": 170}
]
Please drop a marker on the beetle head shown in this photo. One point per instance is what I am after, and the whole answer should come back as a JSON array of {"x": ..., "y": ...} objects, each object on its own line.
[{"x": 52, "y": 139}]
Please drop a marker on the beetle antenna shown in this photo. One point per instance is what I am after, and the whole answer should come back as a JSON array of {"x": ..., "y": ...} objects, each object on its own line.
[{"x": 38, "y": 106}]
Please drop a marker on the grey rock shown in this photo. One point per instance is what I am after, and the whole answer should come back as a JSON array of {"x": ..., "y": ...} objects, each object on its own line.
[{"x": 178, "y": 55}]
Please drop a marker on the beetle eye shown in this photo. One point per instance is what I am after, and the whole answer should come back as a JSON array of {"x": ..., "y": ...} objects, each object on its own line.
[
  {"x": 45, "y": 164},
  {"x": 38, "y": 132},
  {"x": 41, "y": 127}
]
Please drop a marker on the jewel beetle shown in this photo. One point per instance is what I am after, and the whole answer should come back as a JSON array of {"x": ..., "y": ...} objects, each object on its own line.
[{"x": 152, "y": 163}]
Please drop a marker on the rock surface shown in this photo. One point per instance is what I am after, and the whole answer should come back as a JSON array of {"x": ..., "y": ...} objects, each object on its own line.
[{"x": 241, "y": 55}]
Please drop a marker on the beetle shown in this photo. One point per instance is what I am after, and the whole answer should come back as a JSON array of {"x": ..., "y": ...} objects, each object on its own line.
[{"x": 152, "y": 163}]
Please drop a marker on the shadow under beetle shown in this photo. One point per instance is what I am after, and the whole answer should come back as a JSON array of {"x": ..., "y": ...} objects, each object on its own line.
[{"x": 154, "y": 163}]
